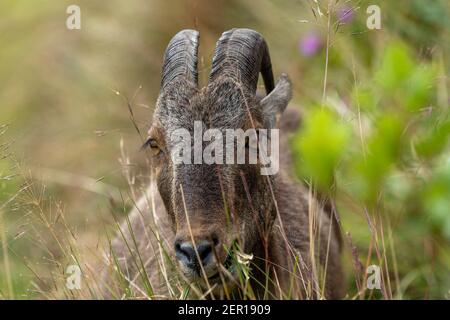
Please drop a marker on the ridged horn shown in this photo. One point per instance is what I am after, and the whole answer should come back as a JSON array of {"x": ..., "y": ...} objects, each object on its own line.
[
  {"x": 242, "y": 54},
  {"x": 180, "y": 58}
]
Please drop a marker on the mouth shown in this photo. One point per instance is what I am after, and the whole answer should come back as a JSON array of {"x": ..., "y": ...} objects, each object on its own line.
[{"x": 227, "y": 264}]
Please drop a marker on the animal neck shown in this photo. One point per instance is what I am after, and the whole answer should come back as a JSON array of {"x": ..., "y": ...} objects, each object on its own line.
[{"x": 265, "y": 258}]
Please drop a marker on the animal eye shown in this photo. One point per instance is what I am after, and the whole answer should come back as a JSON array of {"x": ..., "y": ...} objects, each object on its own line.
[{"x": 153, "y": 145}]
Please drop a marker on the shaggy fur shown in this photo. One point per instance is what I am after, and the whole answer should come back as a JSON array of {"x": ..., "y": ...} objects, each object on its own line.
[{"x": 269, "y": 217}]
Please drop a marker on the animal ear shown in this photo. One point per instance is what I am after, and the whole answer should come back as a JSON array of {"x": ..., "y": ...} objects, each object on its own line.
[{"x": 276, "y": 102}]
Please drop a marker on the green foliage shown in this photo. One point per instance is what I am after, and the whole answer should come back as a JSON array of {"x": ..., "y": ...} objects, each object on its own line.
[
  {"x": 382, "y": 151},
  {"x": 436, "y": 198},
  {"x": 386, "y": 152},
  {"x": 321, "y": 143},
  {"x": 390, "y": 158},
  {"x": 395, "y": 68},
  {"x": 434, "y": 139}
]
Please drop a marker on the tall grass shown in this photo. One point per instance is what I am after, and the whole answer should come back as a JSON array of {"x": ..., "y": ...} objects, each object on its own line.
[{"x": 64, "y": 196}]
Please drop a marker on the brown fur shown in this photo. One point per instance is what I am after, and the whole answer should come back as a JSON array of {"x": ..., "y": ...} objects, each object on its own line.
[
  {"x": 293, "y": 203},
  {"x": 231, "y": 209}
]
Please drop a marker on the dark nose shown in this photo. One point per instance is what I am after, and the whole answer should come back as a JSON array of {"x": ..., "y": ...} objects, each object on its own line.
[{"x": 185, "y": 253}]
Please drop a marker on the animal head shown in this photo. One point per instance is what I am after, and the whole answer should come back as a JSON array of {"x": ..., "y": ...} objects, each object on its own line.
[{"x": 213, "y": 206}]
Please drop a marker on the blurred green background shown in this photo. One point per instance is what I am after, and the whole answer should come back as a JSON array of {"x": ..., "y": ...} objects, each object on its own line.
[{"x": 377, "y": 140}]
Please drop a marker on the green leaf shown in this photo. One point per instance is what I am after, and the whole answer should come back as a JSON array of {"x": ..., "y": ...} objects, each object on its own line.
[
  {"x": 396, "y": 67},
  {"x": 418, "y": 87},
  {"x": 320, "y": 145}
]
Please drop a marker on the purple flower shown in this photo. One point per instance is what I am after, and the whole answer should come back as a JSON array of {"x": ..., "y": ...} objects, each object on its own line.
[
  {"x": 310, "y": 44},
  {"x": 345, "y": 15}
]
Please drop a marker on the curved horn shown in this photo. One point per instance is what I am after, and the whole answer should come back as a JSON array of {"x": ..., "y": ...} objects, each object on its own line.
[
  {"x": 180, "y": 58},
  {"x": 242, "y": 54}
]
